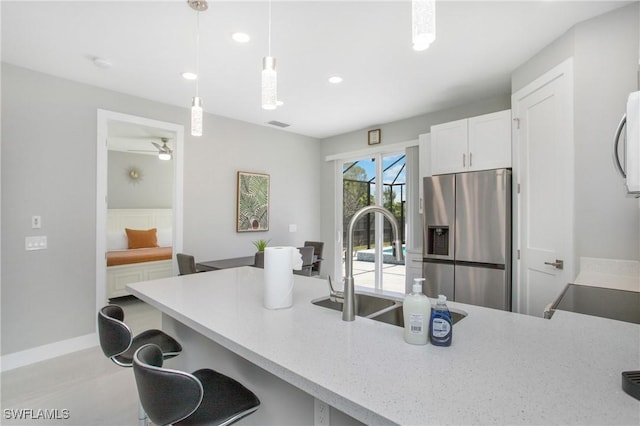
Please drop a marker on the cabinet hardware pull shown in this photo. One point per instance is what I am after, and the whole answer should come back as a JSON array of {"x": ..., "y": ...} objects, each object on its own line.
[{"x": 464, "y": 160}]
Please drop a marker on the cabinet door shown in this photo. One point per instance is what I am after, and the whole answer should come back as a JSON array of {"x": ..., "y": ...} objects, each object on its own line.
[
  {"x": 490, "y": 141},
  {"x": 449, "y": 147}
]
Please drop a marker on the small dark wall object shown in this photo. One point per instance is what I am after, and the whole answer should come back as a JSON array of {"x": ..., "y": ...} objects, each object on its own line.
[{"x": 375, "y": 137}]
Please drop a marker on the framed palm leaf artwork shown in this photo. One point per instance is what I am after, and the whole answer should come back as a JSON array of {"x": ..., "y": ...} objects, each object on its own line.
[{"x": 253, "y": 202}]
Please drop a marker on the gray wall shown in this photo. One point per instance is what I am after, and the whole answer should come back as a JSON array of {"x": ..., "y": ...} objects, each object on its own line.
[
  {"x": 410, "y": 128},
  {"x": 605, "y": 53},
  {"x": 49, "y": 169},
  {"x": 395, "y": 132},
  {"x": 293, "y": 163},
  {"x": 154, "y": 190}
]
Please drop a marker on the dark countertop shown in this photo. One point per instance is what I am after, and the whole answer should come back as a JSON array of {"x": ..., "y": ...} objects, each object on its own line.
[{"x": 621, "y": 305}]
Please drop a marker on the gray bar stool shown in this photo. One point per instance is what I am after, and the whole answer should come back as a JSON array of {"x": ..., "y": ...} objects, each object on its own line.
[
  {"x": 175, "y": 397},
  {"x": 119, "y": 344}
]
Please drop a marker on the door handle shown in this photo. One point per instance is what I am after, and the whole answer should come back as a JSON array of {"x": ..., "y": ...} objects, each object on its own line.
[{"x": 558, "y": 264}]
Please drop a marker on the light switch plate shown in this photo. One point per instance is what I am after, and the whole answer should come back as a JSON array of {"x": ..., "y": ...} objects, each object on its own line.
[
  {"x": 36, "y": 222},
  {"x": 35, "y": 243},
  {"x": 293, "y": 228}
]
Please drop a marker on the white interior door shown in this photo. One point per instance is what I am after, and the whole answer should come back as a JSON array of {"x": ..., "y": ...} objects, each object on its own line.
[{"x": 543, "y": 139}]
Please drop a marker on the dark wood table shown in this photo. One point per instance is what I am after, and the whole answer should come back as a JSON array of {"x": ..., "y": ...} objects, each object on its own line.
[{"x": 214, "y": 265}]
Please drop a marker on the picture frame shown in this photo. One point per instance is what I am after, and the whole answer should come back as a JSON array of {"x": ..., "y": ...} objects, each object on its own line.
[
  {"x": 252, "y": 207},
  {"x": 375, "y": 137}
]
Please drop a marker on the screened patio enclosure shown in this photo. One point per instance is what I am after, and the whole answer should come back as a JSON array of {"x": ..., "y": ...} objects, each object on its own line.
[{"x": 359, "y": 190}]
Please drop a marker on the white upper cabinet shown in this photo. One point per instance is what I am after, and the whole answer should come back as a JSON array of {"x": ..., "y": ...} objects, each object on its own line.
[
  {"x": 449, "y": 147},
  {"x": 490, "y": 141},
  {"x": 477, "y": 143}
]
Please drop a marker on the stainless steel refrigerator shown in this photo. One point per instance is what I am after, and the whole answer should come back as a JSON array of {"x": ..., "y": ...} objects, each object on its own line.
[{"x": 467, "y": 237}]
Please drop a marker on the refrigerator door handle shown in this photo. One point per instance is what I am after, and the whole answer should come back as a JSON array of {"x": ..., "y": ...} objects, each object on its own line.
[{"x": 616, "y": 142}]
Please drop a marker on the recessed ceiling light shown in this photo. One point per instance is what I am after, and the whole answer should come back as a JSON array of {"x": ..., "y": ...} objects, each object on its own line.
[
  {"x": 189, "y": 76},
  {"x": 336, "y": 79},
  {"x": 279, "y": 103},
  {"x": 240, "y": 37}
]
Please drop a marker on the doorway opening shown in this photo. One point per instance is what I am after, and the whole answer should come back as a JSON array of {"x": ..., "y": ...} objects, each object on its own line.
[
  {"x": 127, "y": 155},
  {"x": 377, "y": 180}
]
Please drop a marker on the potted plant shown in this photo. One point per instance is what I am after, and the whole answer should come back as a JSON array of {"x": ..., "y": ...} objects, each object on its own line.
[{"x": 259, "y": 256}]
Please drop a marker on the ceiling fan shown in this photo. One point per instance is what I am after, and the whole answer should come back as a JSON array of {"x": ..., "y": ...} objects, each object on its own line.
[{"x": 164, "y": 151}]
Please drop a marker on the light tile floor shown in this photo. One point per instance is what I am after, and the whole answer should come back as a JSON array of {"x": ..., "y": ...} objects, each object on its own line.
[{"x": 93, "y": 389}]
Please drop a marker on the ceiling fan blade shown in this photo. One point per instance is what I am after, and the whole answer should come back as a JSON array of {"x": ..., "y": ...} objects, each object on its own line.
[{"x": 164, "y": 148}]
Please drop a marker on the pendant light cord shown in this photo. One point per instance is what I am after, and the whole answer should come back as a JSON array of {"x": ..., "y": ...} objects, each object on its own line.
[
  {"x": 197, "y": 52},
  {"x": 269, "y": 27}
]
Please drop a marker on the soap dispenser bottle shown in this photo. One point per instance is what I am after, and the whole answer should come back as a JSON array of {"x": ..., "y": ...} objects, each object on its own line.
[
  {"x": 416, "y": 310},
  {"x": 440, "y": 326}
]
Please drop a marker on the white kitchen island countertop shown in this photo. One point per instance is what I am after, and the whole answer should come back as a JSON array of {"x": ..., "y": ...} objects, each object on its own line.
[{"x": 502, "y": 368}]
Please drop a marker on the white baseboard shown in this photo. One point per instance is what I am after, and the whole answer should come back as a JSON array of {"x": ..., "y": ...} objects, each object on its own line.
[{"x": 45, "y": 352}]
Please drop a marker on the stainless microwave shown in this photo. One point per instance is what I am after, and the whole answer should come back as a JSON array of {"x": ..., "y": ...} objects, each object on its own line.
[{"x": 629, "y": 165}]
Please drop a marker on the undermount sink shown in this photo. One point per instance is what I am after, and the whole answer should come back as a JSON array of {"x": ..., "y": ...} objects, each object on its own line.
[
  {"x": 378, "y": 308},
  {"x": 365, "y": 304},
  {"x": 395, "y": 316}
]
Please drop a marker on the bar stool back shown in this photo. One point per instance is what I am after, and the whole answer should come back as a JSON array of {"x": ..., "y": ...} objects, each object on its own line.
[
  {"x": 119, "y": 344},
  {"x": 176, "y": 397}
]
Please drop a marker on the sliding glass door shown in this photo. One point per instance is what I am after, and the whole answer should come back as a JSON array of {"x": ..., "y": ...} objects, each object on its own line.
[{"x": 377, "y": 180}]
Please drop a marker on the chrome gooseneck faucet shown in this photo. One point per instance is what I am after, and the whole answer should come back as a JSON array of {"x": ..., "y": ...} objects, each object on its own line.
[{"x": 349, "y": 305}]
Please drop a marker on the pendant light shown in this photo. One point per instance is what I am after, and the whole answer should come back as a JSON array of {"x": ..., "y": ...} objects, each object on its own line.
[
  {"x": 269, "y": 76},
  {"x": 423, "y": 23},
  {"x": 196, "y": 102}
]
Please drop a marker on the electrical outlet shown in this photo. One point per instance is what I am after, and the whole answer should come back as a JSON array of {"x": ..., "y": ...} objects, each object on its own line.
[
  {"x": 35, "y": 243},
  {"x": 293, "y": 227},
  {"x": 321, "y": 411}
]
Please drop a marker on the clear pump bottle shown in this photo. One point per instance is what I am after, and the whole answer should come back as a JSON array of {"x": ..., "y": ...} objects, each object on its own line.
[{"x": 416, "y": 309}]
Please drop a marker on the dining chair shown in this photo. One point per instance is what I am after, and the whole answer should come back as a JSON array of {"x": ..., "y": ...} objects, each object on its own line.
[
  {"x": 318, "y": 248},
  {"x": 186, "y": 264},
  {"x": 307, "y": 261}
]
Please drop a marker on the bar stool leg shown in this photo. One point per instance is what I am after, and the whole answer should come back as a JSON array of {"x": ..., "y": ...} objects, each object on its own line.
[{"x": 142, "y": 416}]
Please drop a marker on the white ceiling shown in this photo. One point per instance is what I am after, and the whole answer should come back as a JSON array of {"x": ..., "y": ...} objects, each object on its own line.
[
  {"x": 136, "y": 138},
  {"x": 368, "y": 43}
]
